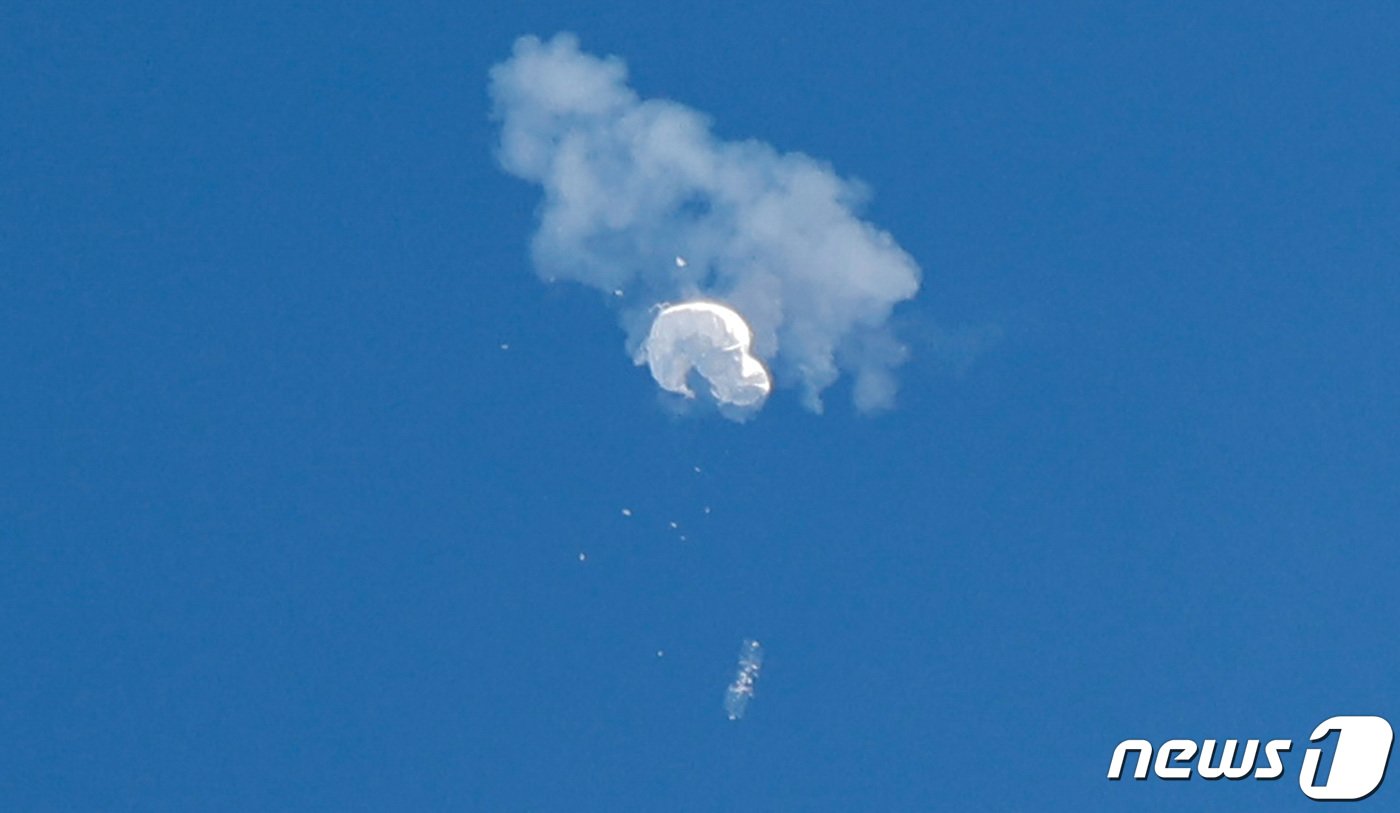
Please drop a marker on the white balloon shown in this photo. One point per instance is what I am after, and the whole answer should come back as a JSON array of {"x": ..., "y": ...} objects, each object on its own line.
[{"x": 713, "y": 340}]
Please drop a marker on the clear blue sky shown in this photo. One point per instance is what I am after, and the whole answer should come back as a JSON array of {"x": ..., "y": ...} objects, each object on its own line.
[{"x": 282, "y": 528}]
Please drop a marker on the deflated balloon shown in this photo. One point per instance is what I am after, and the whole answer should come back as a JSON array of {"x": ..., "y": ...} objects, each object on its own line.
[{"x": 713, "y": 340}]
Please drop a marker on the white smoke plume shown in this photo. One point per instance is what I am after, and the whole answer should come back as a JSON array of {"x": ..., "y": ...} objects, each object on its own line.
[{"x": 630, "y": 184}]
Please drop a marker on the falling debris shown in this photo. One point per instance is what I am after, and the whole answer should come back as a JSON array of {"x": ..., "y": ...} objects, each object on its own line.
[
  {"x": 710, "y": 339},
  {"x": 697, "y": 469},
  {"x": 674, "y": 526},
  {"x": 660, "y": 653},
  {"x": 505, "y": 346},
  {"x": 583, "y": 557},
  {"x": 707, "y": 509},
  {"x": 681, "y": 263},
  {"x": 737, "y": 696},
  {"x": 617, "y": 292},
  {"x": 627, "y": 512},
  {"x": 682, "y": 537}
]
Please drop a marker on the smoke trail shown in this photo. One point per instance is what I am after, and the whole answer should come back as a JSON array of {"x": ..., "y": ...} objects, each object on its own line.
[
  {"x": 629, "y": 184},
  {"x": 737, "y": 696}
]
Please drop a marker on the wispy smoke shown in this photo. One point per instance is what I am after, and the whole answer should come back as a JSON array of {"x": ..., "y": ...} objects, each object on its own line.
[{"x": 629, "y": 184}]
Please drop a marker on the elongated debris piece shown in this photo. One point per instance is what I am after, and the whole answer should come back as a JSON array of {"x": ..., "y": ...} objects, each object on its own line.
[{"x": 737, "y": 696}]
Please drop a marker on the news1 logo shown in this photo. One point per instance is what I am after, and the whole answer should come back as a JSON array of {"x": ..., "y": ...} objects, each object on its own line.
[{"x": 1358, "y": 761}]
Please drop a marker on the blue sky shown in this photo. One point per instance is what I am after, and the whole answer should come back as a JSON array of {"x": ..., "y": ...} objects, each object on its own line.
[{"x": 282, "y": 527}]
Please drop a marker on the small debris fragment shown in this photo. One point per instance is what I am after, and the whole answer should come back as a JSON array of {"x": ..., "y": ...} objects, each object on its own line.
[{"x": 627, "y": 512}]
